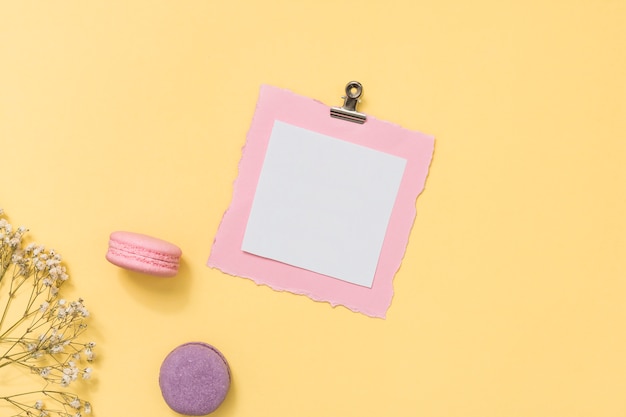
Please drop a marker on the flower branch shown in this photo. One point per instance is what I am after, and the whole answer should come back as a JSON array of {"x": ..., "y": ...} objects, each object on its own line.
[{"x": 40, "y": 330}]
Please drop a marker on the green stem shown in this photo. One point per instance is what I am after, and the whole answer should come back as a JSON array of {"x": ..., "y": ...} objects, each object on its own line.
[
  {"x": 17, "y": 323},
  {"x": 16, "y": 340},
  {"x": 6, "y": 309},
  {"x": 5, "y": 261},
  {"x": 17, "y": 361}
]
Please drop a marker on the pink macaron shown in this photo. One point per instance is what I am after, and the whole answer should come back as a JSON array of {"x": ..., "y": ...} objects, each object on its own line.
[{"x": 145, "y": 254}]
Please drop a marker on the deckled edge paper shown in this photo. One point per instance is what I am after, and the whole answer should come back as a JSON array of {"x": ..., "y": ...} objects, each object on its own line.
[
  {"x": 323, "y": 204},
  {"x": 277, "y": 104}
]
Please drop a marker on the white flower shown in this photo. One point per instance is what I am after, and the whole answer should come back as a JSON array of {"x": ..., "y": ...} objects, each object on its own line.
[
  {"x": 87, "y": 373},
  {"x": 39, "y": 405},
  {"x": 56, "y": 348},
  {"x": 65, "y": 380},
  {"x": 71, "y": 371},
  {"x": 89, "y": 355},
  {"x": 87, "y": 407},
  {"x": 44, "y": 372},
  {"x": 44, "y": 306},
  {"x": 75, "y": 403}
]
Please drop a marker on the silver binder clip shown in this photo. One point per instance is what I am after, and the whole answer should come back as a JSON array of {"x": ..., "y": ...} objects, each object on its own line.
[{"x": 348, "y": 112}]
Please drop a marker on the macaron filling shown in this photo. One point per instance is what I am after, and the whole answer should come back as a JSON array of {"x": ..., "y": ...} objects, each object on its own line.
[{"x": 129, "y": 260}]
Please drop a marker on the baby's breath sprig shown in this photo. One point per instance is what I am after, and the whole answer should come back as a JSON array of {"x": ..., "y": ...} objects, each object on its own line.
[
  {"x": 40, "y": 330},
  {"x": 50, "y": 403}
]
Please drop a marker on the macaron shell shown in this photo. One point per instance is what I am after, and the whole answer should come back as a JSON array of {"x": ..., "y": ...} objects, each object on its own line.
[
  {"x": 147, "y": 244},
  {"x": 194, "y": 379}
]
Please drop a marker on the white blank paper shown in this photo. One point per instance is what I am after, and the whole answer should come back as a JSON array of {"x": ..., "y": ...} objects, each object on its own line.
[{"x": 323, "y": 204}]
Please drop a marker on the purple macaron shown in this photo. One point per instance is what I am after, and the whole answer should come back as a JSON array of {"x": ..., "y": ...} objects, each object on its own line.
[{"x": 194, "y": 379}]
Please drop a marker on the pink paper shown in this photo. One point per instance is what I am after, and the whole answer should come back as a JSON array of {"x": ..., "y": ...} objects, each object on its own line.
[{"x": 277, "y": 104}]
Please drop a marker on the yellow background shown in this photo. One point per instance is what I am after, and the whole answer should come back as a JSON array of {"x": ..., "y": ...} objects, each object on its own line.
[{"x": 511, "y": 299}]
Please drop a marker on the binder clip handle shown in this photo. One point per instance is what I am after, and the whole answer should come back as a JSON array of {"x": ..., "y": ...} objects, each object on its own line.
[
  {"x": 354, "y": 89},
  {"x": 348, "y": 112}
]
